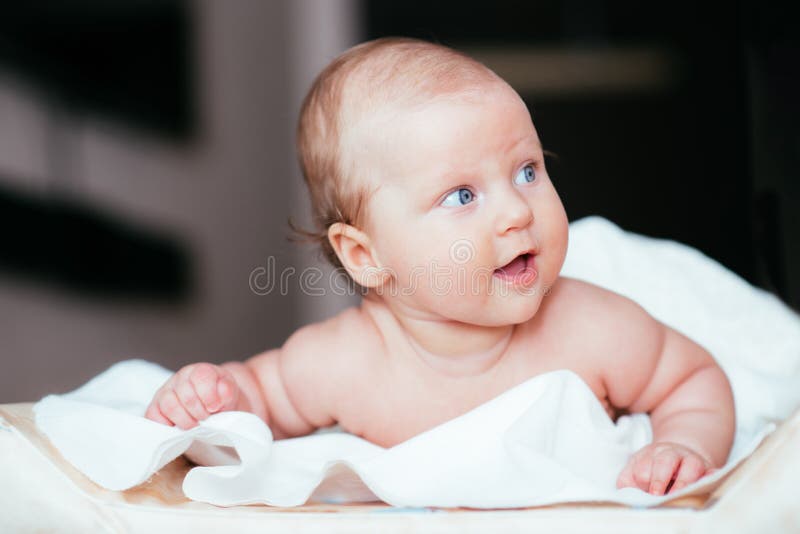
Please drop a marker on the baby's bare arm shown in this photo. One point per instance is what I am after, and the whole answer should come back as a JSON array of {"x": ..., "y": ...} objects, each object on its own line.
[
  {"x": 649, "y": 367},
  {"x": 292, "y": 388},
  {"x": 690, "y": 399},
  {"x": 667, "y": 375}
]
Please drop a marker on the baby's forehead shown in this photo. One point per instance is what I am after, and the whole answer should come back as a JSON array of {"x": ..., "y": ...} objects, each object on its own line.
[
  {"x": 418, "y": 167},
  {"x": 368, "y": 99},
  {"x": 376, "y": 121},
  {"x": 435, "y": 120},
  {"x": 390, "y": 78},
  {"x": 379, "y": 122}
]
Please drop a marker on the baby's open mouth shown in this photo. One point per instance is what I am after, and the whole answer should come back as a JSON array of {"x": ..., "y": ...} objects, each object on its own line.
[{"x": 519, "y": 271}]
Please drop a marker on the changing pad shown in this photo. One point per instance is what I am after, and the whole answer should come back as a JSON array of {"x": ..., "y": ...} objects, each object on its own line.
[{"x": 545, "y": 441}]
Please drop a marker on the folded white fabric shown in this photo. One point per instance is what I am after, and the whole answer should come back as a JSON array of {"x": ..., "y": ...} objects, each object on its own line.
[{"x": 547, "y": 440}]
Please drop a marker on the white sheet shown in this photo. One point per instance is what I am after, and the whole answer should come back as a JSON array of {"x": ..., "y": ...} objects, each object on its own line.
[{"x": 547, "y": 440}]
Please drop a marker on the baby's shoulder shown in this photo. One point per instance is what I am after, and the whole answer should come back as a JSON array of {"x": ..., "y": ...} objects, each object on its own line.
[
  {"x": 339, "y": 337},
  {"x": 351, "y": 341},
  {"x": 591, "y": 330},
  {"x": 594, "y": 313},
  {"x": 319, "y": 362},
  {"x": 579, "y": 297},
  {"x": 575, "y": 288}
]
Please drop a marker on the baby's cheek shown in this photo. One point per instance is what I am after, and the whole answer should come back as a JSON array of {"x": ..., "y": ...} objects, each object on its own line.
[
  {"x": 556, "y": 245},
  {"x": 410, "y": 277}
]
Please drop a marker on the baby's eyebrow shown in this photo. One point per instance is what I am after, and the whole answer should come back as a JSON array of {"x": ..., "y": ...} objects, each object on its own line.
[
  {"x": 429, "y": 190},
  {"x": 461, "y": 176},
  {"x": 527, "y": 137},
  {"x": 513, "y": 144},
  {"x": 453, "y": 177},
  {"x": 448, "y": 180}
]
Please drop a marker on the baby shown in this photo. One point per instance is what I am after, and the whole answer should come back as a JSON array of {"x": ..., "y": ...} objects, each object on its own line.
[{"x": 429, "y": 187}]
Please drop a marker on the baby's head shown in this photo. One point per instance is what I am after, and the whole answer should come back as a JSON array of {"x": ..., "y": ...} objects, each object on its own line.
[{"x": 427, "y": 179}]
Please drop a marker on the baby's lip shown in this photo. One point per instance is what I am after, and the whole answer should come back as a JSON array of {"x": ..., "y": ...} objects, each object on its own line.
[{"x": 531, "y": 252}]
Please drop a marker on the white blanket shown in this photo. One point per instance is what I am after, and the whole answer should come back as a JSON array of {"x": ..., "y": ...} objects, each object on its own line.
[{"x": 545, "y": 441}]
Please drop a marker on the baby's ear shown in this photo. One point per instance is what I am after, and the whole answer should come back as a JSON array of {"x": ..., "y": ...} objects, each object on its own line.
[{"x": 354, "y": 249}]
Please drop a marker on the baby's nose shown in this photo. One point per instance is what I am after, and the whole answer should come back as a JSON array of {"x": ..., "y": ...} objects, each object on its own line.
[{"x": 514, "y": 214}]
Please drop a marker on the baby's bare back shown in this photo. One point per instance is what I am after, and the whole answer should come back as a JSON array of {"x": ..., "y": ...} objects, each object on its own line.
[{"x": 392, "y": 395}]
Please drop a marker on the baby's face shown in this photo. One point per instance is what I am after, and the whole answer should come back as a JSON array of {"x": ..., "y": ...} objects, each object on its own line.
[{"x": 462, "y": 191}]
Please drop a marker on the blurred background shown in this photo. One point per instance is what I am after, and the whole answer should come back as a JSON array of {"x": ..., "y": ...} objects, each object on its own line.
[{"x": 147, "y": 163}]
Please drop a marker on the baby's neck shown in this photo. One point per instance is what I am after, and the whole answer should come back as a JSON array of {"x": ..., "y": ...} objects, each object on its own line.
[{"x": 449, "y": 347}]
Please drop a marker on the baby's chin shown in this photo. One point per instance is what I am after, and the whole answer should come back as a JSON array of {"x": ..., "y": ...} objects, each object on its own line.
[
  {"x": 521, "y": 311},
  {"x": 495, "y": 310}
]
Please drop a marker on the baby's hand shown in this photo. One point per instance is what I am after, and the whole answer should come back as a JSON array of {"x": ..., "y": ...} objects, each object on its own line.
[
  {"x": 652, "y": 467},
  {"x": 192, "y": 394}
]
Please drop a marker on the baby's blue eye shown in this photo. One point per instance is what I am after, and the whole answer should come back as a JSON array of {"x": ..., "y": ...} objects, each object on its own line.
[
  {"x": 459, "y": 197},
  {"x": 525, "y": 175}
]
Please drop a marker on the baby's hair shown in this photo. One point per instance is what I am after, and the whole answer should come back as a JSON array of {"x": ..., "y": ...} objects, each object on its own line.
[{"x": 389, "y": 71}]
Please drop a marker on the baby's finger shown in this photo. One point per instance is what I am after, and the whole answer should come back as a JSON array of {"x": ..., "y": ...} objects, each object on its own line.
[
  {"x": 154, "y": 414},
  {"x": 228, "y": 393},
  {"x": 642, "y": 471},
  {"x": 190, "y": 400},
  {"x": 625, "y": 478},
  {"x": 171, "y": 407},
  {"x": 665, "y": 464},
  {"x": 204, "y": 378},
  {"x": 690, "y": 470}
]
